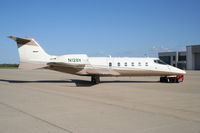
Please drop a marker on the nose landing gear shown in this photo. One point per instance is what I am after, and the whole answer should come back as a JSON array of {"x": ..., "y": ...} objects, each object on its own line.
[{"x": 174, "y": 79}]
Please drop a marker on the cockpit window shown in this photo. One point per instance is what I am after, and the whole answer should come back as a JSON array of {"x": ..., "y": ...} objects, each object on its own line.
[{"x": 160, "y": 62}]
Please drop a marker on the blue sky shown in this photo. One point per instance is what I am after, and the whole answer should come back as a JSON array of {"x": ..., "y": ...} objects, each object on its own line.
[{"x": 100, "y": 27}]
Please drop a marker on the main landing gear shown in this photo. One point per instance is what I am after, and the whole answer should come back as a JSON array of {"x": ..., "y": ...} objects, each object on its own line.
[
  {"x": 175, "y": 79},
  {"x": 95, "y": 79}
]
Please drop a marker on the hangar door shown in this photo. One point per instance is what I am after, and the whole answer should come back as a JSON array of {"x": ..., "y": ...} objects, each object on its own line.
[{"x": 197, "y": 61}]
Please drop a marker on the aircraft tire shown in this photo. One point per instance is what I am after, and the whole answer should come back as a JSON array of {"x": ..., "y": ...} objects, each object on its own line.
[{"x": 95, "y": 79}]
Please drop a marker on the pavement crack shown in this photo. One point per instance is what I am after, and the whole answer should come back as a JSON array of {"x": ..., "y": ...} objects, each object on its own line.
[
  {"x": 35, "y": 117},
  {"x": 118, "y": 105}
]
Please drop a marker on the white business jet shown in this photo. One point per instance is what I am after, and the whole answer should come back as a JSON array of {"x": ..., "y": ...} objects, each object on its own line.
[{"x": 32, "y": 56}]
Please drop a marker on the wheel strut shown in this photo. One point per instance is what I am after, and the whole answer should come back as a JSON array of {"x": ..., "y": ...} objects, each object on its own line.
[{"x": 95, "y": 79}]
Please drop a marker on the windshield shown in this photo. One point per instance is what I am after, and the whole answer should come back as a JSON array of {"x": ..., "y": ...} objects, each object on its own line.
[{"x": 160, "y": 62}]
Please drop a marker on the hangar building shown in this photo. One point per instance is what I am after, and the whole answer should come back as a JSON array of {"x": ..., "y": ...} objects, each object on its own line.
[{"x": 189, "y": 59}]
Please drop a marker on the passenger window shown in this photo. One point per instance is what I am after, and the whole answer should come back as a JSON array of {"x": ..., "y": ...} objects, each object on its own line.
[
  {"x": 118, "y": 64},
  {"x": 139, "y": 63},
  {"x": 132, "y": 64},
  {"x": 125, "y": 64},
  {"x": 110, "y": 64},
  {"x": 146, "y": 64}
]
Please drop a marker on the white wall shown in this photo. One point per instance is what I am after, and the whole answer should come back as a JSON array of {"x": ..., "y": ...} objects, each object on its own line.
[{"x": 190, "y": 58}]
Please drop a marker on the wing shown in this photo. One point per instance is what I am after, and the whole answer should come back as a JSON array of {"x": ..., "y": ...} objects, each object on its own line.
[
  {"x": 65, "y": 67},
  {"x": 102, "y": 72},
  {"x": 61, "y": 64},
  {"x": 80, "y": 69}
]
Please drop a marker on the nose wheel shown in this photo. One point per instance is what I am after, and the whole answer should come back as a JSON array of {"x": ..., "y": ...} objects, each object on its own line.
[
  {"x": 95, "y": 79},
  {"x": 175, "y": 79}
]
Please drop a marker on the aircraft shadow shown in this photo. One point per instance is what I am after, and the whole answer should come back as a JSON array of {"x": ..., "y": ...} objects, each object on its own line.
[
  {"x": 82, "y": 83},
  {"x": 88, "y": 83},
  {"x": 121, "y": 81},
  {"x": 36, "y": 81},
  {"x": 78, "y": 83}
]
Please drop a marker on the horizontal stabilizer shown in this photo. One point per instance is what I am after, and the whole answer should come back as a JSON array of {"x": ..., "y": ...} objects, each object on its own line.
[{"x": 20, "y": 40}]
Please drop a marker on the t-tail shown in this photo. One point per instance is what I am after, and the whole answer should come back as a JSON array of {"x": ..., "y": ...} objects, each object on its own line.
[{"x": 31, "y": 55}]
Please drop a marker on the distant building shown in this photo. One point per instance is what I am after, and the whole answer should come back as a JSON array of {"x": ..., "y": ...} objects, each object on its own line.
[
  {"x": 177, "y": 59},
  {"x": 189, "y": 59},
  {"x": 193, "y": 57}
]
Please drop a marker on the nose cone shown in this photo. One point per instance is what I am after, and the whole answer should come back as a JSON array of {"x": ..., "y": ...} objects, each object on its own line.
[
  {"x": 178, "y": 71},
  {"x": 181, "y": 72}
]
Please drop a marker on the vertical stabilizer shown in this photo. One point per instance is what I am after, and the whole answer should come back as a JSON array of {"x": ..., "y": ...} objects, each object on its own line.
[{"x": 31, "y": 55}]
